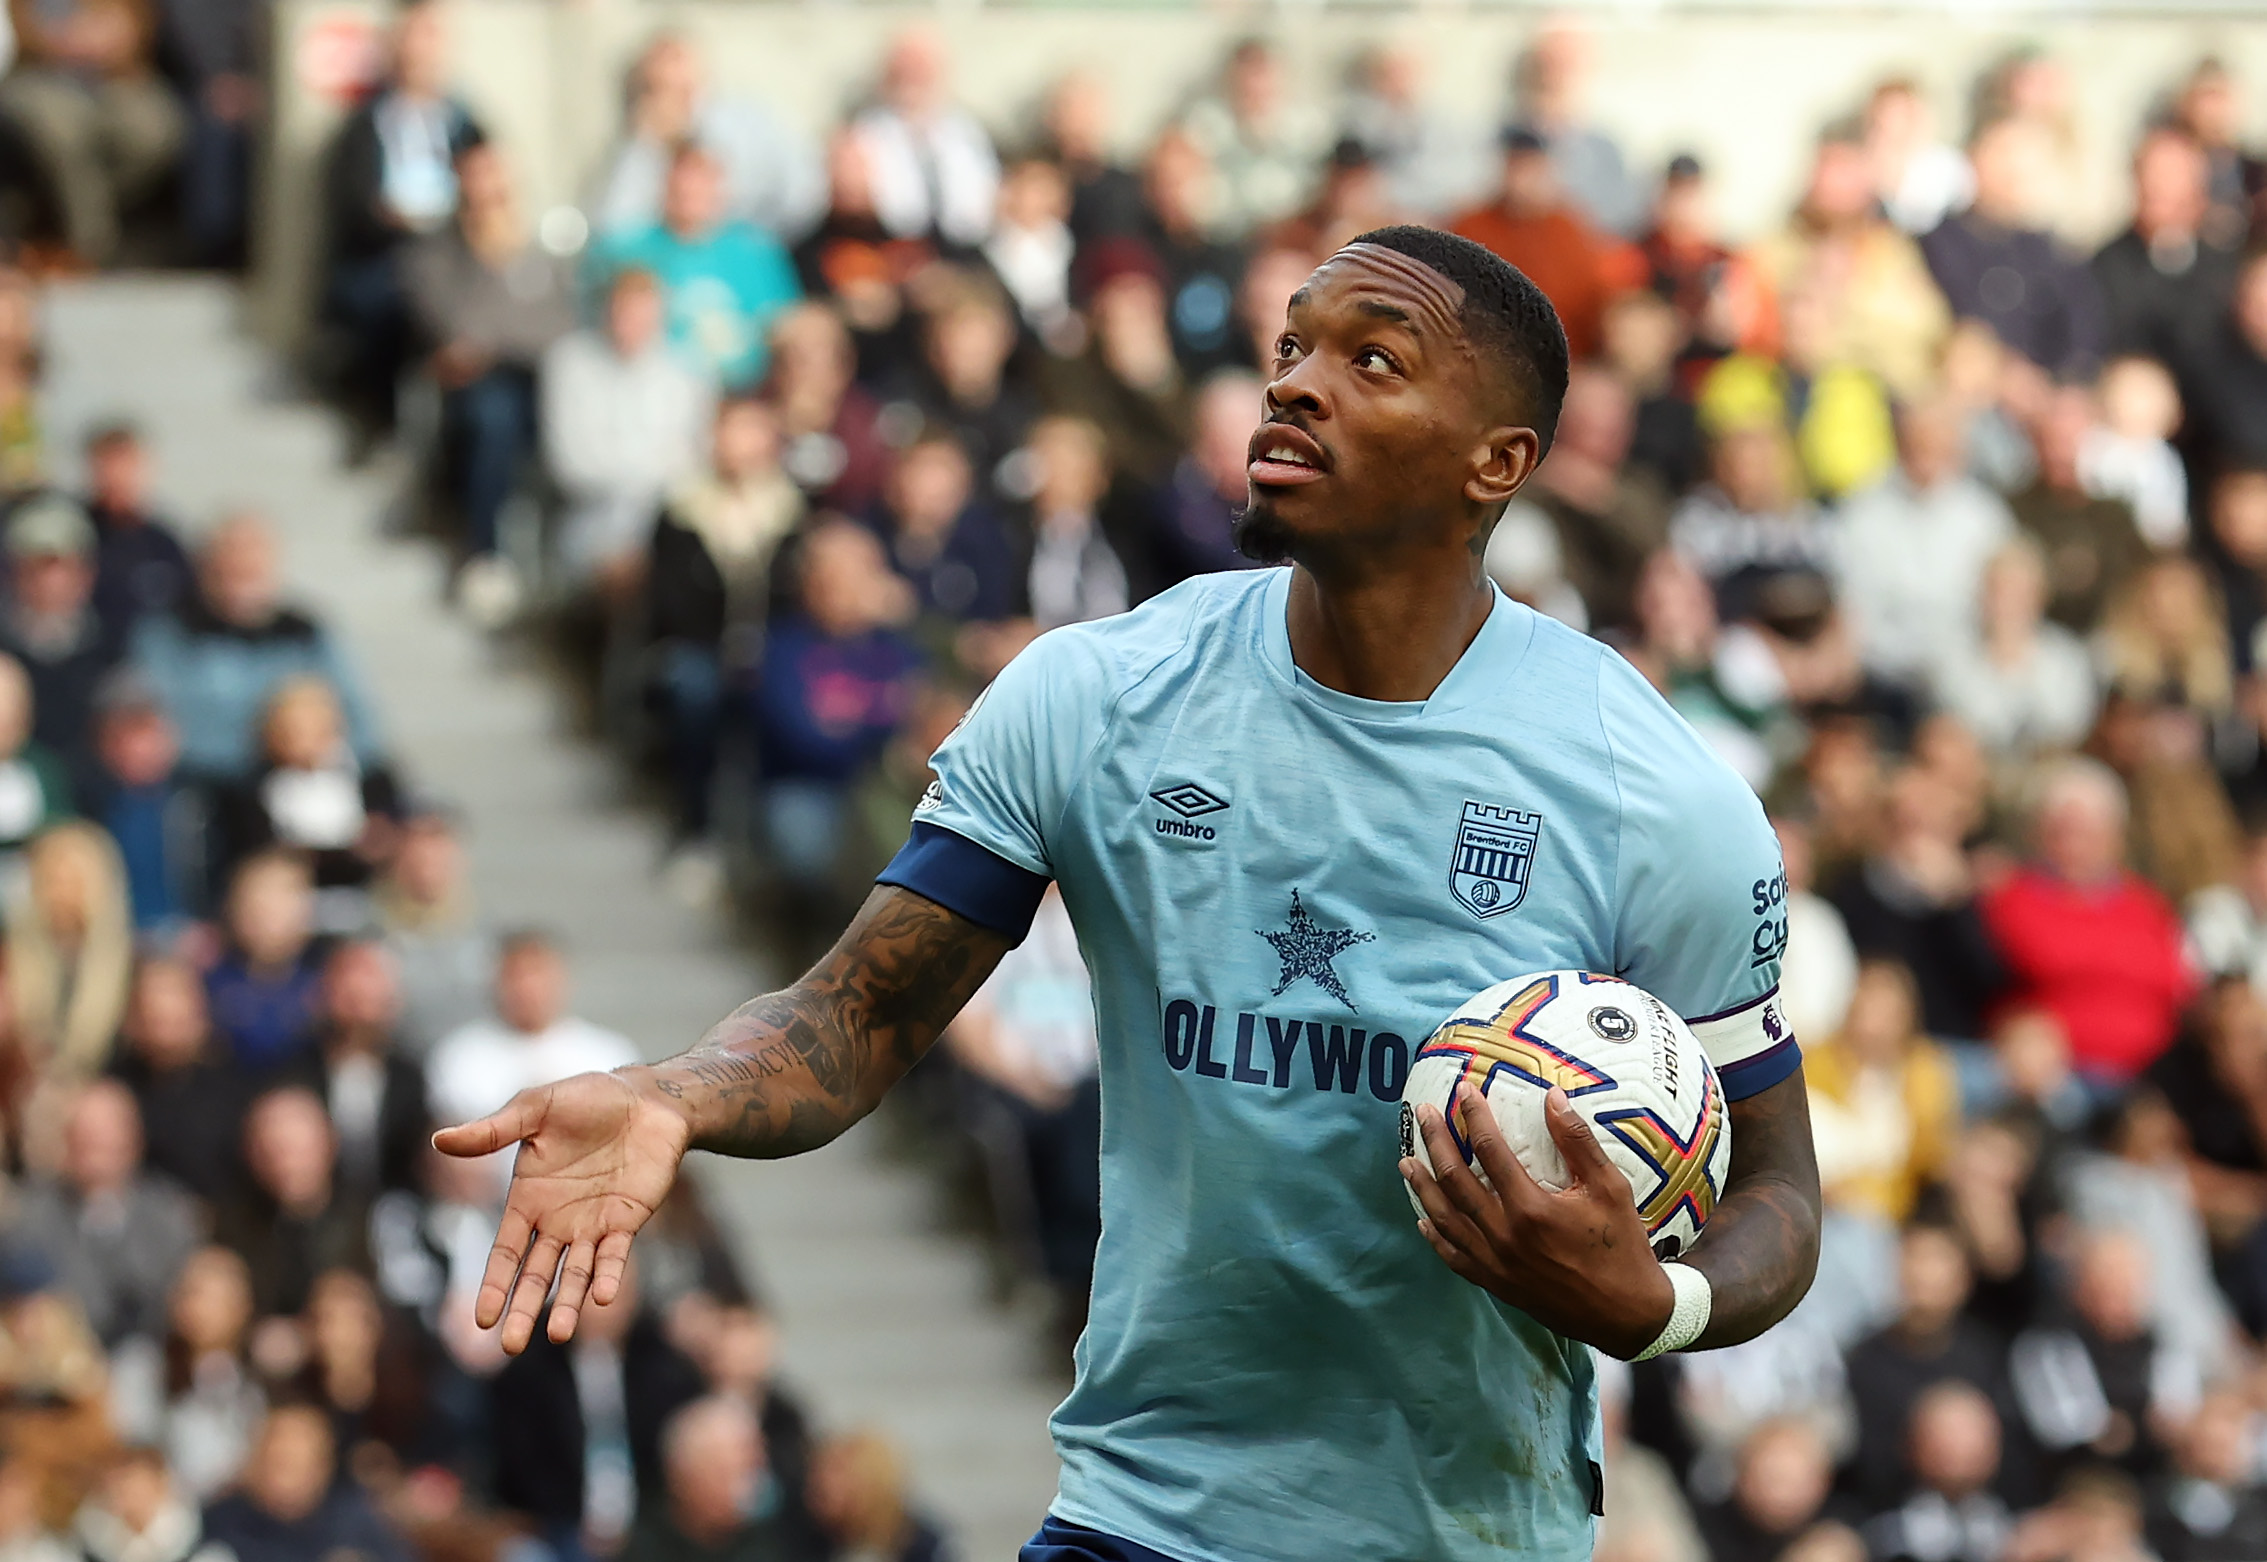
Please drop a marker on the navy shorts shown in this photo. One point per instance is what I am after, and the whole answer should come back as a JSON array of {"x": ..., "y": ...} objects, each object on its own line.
[{"x": 1061, "y": 1542}]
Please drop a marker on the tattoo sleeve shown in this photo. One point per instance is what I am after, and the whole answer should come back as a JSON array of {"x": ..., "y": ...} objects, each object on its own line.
[
  {"x": 1761, "y": 1246},
  {"x": 789, "y": 1071}
]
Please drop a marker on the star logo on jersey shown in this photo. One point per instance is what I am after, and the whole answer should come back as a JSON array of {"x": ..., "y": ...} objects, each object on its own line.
[
  {"x": 1494, "y": 856},
  {"x": 1307, "y": 949}
]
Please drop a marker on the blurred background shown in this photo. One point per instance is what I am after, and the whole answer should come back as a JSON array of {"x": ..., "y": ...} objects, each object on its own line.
[{"x": 502, "y": 498}]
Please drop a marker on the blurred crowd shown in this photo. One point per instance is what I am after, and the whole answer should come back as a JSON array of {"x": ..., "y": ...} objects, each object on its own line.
[{"x": 1945, "y": 525}]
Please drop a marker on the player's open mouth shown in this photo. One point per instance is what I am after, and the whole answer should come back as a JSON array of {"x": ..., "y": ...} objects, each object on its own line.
[{"x": 1283, "y": 456}]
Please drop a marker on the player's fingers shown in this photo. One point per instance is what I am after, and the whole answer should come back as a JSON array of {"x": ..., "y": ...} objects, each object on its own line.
[
  {"x": 1455, "y": 1257},
  {"x": 508, "y": 1125},
  {"x": 1458, "y": 1186},
  {"x": 504, "y": 1258},
  {"x": 1447, "y": 1214},
  {"x": 1577, "y": 1141},
  {"x": 527, "y": 1296},
  {"x": 613, "y": 1258},
  {"x": 574, "y": 1282},
  {"x": 1491, "y": 1149}
]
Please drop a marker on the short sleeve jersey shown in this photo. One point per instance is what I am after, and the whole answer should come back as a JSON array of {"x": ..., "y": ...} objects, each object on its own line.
[{"x": 1280, "y": 890}]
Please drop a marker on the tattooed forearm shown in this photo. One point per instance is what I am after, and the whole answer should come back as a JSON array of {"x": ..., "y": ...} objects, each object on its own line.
[
  {"x": 788, "y": 1071},
  {"x": 1761, "y": 1246}
]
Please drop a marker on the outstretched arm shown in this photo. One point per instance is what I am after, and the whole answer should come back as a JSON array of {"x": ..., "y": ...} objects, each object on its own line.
[
  {"x": 1577, "y": 1261},
  {"x": 782, "y": 1074}
]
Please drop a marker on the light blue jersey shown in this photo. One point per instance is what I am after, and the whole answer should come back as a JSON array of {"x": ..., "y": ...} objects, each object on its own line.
[{"x": 1280, "y": 890}]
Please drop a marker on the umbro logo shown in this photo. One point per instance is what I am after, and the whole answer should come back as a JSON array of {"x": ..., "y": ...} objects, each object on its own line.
[{"x": 1191, "y": 802}]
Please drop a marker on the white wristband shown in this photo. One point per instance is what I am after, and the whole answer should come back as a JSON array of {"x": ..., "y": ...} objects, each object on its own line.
[{"x": 1689, "y": 1317}]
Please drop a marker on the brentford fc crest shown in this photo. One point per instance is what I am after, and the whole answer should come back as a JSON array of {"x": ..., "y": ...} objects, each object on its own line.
[{"x": 1495, "y": 854}]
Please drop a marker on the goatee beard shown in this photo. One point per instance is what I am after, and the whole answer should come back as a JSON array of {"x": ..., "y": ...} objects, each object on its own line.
[{"x": 1260, "y": 537}]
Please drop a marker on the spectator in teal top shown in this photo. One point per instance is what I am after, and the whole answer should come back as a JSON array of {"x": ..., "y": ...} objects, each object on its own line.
[{"x": 725, "y": 278}]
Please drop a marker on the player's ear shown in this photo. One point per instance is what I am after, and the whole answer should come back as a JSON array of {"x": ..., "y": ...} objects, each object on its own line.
[{"x": 1503, "y": 462}]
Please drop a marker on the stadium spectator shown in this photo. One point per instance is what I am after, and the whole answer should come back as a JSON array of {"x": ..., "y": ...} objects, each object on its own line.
[
  {"x": 740, "y": 1363},
  {"x": 1203, "y": 273},
  {"x": 2083, "y": 937},
  {"x": 141, "y": 569},
  {"x": 116, "y": 1234},
  {"x": 34, "y": 787},
  {"x": 1531, "y": 223},
  {"x": 934, "y": 172},
  {"x": 2129, "y": 454},
  {"x": 1075, "y": 573},
  {"x": 858, "y": 1495},
  {"x": 1105, "y": 195},
  {"x": 101, "y": 124},
  {"x": 772, "y": 175},
  {"x": 216, "y": 56},
  {"x": 531, "y": 1039},
  {"x": 155, "y": 818},
  {"x": 724, "y": 279},
  {"x": 138, "y": 1513},
  {"x": 2162, "y": 640},
  {"x": 1550, "y": 83},
  {"x": 310, "y": 795},
  {"x": 295, "y": 1219},
  {"x": 1997, "y": 262},
  {"x": 960, "y": 382},
  {"x": 622, "y": 418},
  {"x": 1607, "y": 516},
  {"x": 1780, "y": 1491},
  {"x": 70, "y": 945},
  {"x": 1885, "y": 1100},
  {"x": 1750, "y": 523},
  {"x": 264, "y": 990},
  {"x": 191, "y": 1101},
  {"x": 834, "y": 449},
  {"x": 205, "y": 1401},
  {"x": 2022, "y": 684},
  {"x": 2165, "y": 280},
  {"x": 1953, "y": 1515},
  {"x": 1128, "y": 382},
  {"x": 1352, "y": 199},
  {"x": 292, "y": 1506},
  {"x": 445, "y": 955},
  {"x": 49, "y": 623},
  {"x": 489, "y": 301},
  {"x": 1196, "y": 513},
  {"x": 1031, "y": 246},
  {"x": 2209, "y": 106},
  {"x": 580, "y": 1427},
  {"x": 1431, "y": 163},
  {"x": 1873, "y": 301},
  {"x": 2226, "y": 393},
  {"x": 2227, "y": 923},
  {"x": 2209, "y": 1505},
  {"x": 943, "y": 538},
  {"x": 1717, "y": 295},
  {"x": 389, "y": 177},
  {"x": 1820, "y": 968},
  {"x": 374, "y": 1095},
  {"x": 708, "y": 588},
  {"x": 2095, "y": 1386},
  {"x": 1921, "y": 179},
  {"x": 1259, "y": 139},
  {"x": 2185, "y": 833},
  {"x": 2092, "y": 545},
  {"x": 1912, "y": 551},
  {"x": 216, "y": 661}
]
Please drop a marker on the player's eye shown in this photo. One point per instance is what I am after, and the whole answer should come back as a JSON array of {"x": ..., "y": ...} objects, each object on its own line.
[{"x": 1377, "y": 358}]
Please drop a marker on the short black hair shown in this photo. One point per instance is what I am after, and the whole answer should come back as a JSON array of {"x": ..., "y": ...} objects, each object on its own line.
[{"x": 1505, "y": 314}]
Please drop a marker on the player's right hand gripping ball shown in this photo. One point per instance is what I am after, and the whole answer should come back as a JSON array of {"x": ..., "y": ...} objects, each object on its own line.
[{"x": 1633, "y": 1070}]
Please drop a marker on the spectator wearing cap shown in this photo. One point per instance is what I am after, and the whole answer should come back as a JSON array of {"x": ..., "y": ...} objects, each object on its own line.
[
  {"x": 50, "y": 624},
  {"x": 134, "y": 791},
  {"x": 622, "y": 418},
  {"x": 772, "y": 174},
  {"x": 724, "y": 279},
  {"x": 1128, "y": 382},
  {"x": 935, "y": 175},
  {"x": 117, "y": 1234},
  {"x": 217, "y": 659},
  {"x": 1202, "y": 271},
  {"x": 1262, "y": 148},
  {"x": 2086, "y": 939},
  {"x": 1997, "y": 262},
  {"x": 140, "y": 566},
  {"x": 489, "y": 300},
  {"x": 2165, "y": 280},
  {"x": 1532, "y": 224}
]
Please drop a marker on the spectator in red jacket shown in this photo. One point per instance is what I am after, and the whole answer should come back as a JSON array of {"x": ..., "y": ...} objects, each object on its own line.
[
  {"x": 2084, "y": 937},
  {"x": 1532, "y": 224}
]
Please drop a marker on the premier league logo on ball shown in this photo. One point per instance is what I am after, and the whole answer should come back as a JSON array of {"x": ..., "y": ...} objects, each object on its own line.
[{"x": 1495, "y": 848}]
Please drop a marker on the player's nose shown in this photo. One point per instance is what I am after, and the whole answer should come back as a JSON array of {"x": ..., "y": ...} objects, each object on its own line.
[{"x": 1298, "y": 386}]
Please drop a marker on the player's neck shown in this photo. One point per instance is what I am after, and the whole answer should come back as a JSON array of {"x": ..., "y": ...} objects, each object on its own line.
[{"x": 1385, "y": 634}]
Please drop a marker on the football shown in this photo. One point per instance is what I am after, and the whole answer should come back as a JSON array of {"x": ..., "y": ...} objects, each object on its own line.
[{"x": 1633, "y": 1070}]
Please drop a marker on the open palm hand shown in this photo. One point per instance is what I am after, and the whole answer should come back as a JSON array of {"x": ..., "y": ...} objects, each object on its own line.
[{"x": 597, "y": 1155}]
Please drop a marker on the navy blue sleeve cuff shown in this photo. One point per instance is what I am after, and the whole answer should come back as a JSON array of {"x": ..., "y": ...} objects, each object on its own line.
[
  {"x": 967, "y": 879},
  {"x": 1753, "y": 1076}
]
